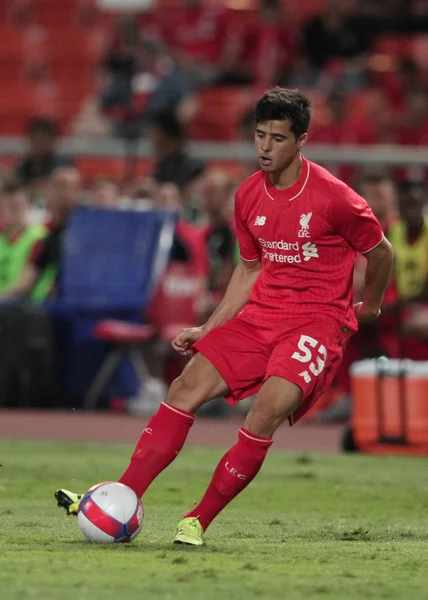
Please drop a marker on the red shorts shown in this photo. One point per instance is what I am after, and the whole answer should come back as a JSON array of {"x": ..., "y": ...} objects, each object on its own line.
[{"x": 305, "y": 351}]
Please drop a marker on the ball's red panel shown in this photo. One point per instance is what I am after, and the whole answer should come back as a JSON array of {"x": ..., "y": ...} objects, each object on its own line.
[{"x": 101, "y": 519}]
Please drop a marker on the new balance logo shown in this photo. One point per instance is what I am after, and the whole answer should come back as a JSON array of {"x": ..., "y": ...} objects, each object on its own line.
[
  {"x": 309, "y": 251},
  {"x": 305, "y": 376},
  {"x": 260, "y": 221}
]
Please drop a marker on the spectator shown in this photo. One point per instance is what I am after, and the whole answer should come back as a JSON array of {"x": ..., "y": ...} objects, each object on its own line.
[
  {"x": 120, "y": 56},
  {"x": 41, "y": 158},
  {"x": 63, "y": 194},
  {"x": 413, "y": 129},
  {"x": 19, "y": 237},
  {"x": 334, "y": 128},
  {"x": 339, "y": 33},
  {"x": 380, "y": 193},
  {"x": 409, "y": 239},
  {"x": 398, "y": 84},
  {"x": 189, "y": 248},
  {"x": 217, "y": 190},
  {"x": 198, "y": 38},
  {"x": 105, "y": 193},
  {"x": 189, "y": 244},
  {"x": 376, "y": 122},
  {"x": 172, "y": 162},
  {"x": 269, "y": 48},
  {"x": 156, "y": 85}
]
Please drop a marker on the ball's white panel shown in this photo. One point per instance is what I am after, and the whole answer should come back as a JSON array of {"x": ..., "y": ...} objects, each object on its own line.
[
  {"x": 97, "y": 485},
  {"x": 117, "y": 500},
  {"x": 91, "y": 532}
]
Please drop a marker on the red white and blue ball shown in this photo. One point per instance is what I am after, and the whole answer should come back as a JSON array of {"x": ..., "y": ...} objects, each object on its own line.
[{"x": 110, "y": 512}]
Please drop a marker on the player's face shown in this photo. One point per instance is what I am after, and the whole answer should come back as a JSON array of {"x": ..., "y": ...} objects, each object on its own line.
[{"x": 276, "y": 145}]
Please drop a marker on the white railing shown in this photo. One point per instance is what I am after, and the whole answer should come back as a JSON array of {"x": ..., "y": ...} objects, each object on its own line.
[{"x": 233, "y": 151}]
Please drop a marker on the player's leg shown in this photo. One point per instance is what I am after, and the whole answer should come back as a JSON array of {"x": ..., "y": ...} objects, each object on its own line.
[
  {"x": 276, "y": 400},
  {"x": 166, "y": 432}
]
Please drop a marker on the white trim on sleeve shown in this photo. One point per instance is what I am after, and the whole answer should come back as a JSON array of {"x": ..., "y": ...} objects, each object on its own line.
[
  {"x": 249, "y": 259},
  {"x": 375, "y": 246}
]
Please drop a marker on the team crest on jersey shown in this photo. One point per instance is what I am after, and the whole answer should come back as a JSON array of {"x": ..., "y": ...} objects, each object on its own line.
[{"x": 304, "y": 224}]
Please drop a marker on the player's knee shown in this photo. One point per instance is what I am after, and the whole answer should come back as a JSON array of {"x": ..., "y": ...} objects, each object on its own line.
[
  {"x": 183, "y": 393},
  {"x": 272, "y": 405},
  {"x": 264, "y": 419}
]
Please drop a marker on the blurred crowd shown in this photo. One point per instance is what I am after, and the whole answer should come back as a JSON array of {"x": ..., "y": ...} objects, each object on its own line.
[
  {"x": 38, "y": 195},
  {"x": 363, "y": 63}
]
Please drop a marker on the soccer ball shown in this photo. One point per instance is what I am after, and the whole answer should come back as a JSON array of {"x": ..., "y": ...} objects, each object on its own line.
[{"x": 110, "y": 512}]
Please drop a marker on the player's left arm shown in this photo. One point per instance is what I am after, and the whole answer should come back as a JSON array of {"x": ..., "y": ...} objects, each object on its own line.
[
  {"x": 353, "y": 219},
  {"x": 378, "y": 271}
]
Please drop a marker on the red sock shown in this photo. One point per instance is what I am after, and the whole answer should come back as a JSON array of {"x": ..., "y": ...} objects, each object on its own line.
[
  {"x": 157, "y": 447},
  {"x": 234, "y": 472}
]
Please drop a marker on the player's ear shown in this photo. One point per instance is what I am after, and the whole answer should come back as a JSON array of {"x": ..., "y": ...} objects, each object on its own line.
[{"x": 302, "y": 140}]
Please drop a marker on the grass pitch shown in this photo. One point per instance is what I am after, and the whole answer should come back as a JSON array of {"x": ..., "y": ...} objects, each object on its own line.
[{"x": 313, "y": 526}]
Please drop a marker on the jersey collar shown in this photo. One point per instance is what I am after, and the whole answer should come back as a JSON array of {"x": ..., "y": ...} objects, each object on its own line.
[{"x": 293, "y": 191}]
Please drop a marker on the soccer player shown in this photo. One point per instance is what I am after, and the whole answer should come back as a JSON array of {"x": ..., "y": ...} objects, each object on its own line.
[{"x": 285, "y": 318}]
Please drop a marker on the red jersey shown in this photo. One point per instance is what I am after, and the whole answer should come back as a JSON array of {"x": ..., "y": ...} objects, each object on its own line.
[
  {"x": 199, "y": 33},
  {"x": 306, "y": 237},
  {"x": 270, "y": 50}
]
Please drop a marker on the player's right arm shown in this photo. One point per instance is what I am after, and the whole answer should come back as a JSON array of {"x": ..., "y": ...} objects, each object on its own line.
[
  {"x": 236, "y": 296},
  {"x": 238, "y": 291}
]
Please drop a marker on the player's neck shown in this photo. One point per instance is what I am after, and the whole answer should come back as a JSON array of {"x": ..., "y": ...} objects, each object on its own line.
[{"x": 287, "y": 177}]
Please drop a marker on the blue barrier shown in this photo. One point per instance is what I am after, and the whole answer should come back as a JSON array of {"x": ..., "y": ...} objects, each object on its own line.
[
  {"x": 111, "y": 262},
  {"x": 111, "y": 259}
]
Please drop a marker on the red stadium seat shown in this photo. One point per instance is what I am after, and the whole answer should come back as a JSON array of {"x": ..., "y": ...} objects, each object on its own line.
[
  {"x": 220, "y": 111},
  {"x": 172, "y": 308},
  {"x": 93, "y": 167},
  {"x": 120, "y": 332},
  {"x": 403, "y": 46}
]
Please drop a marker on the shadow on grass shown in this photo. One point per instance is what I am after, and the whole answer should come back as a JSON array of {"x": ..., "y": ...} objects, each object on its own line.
[{"x": 144, "y": 547}]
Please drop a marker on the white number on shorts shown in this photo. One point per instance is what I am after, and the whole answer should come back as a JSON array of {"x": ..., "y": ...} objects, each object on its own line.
[{"x": 306, "y": 345}]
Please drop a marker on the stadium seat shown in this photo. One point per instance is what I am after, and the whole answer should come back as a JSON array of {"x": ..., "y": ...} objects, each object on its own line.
[
  {"x": 220, "y": 111},
  {"x": 172, "y": 308},
  {"x": 403, "y": 46},
  {"x": 92, "y": 167}
]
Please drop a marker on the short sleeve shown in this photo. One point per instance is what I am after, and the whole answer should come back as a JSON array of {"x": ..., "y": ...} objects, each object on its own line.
[
  {"x": 248, "y": 247},
  {"x": 353, "y": 219}
]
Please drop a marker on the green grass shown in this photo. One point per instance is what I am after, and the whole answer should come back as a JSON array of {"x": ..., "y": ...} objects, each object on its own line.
[{"x": 315, "y": 526}]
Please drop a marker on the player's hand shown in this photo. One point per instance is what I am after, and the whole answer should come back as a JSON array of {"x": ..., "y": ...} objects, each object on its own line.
[
  {"x": 186, "y": 338},
  {"x": 364, "y": 314}
]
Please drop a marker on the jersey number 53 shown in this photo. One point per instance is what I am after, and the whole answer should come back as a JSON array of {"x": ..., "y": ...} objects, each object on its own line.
[{"x": 308, "y": 347}]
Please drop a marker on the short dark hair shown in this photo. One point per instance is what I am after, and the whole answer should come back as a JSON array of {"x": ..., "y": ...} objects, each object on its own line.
[
  {"x": 281, "y": 104},
  {"x": 42, "y": 125},
  {"x": 169, "y": 124}
]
